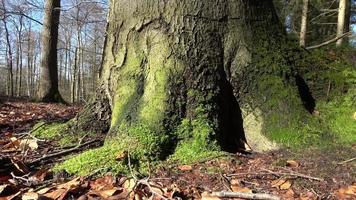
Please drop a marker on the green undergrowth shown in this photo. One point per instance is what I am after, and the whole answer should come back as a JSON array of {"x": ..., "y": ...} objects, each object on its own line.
[{"x": 58, "y": 131}]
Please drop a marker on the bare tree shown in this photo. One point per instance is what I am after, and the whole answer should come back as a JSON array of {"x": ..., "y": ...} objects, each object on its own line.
[{"x": 9, "y": 55}]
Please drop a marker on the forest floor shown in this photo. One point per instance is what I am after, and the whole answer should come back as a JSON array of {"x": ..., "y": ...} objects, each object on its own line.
[{"x": 327, "y": 173}]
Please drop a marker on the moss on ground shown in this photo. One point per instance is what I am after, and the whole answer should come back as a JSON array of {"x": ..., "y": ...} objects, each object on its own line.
[
  {"x": 331, "y": 75},
  {"x": 333, "y": 123},
  {"x": 58, "y": 131}
]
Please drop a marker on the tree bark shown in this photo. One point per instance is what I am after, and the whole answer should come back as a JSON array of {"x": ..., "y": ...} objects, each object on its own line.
[
  {"x": 49, "y": 69},
  {"x": 303, "y": 29},
  {"x": 201, "y": 73},
  {"x": 341, "y": 21},
  {"x": 9, "y": 58}
]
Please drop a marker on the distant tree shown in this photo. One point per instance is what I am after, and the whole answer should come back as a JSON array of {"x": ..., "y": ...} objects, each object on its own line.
[
  {"x": 9, "y": 55},
  {"x": 49, "y": 91}
]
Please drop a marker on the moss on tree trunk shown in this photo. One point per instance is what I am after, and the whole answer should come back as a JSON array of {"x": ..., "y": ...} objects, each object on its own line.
[{"x": 187, "y": 79}]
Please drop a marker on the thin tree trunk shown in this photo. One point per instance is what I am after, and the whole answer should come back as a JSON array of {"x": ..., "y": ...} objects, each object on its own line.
[
  {"x": 303, "y": 26},
  {"x": 9, "y": 54},
  {"x": 341, "y": 21},
  {"x": 19, "y": 87},
  {"x": 74, "y": 73},
  {"x": 347, "y": 19},
  {"x": 29, "y": 67}
]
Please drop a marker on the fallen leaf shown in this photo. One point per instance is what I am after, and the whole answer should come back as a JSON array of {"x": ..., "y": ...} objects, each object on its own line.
[
  {"x": 40, "y": 175},
  {"x": 44, "y": 190},
  {"x": 278, "y": 182},
  {"x": 3, "y": 187},
  {"x": 207, "y": 196},
  {"x": 286, "y": 185},
  {"x": 346, "y": 192},
  {"x": 129, "y": 184},
  {"x": 31, "y": 143},
  {"x": 185, "y": 167},
  {"x": 57, "y": 194},
  {"x": 15, "y": 143},
  {"x": 103, "y": 183},
  {"x": 121, "y": 156},
  {"x": 235, "y": 182},
  {"x": 109, "y": 193},
  {"x": 292, "y": 163},
  {"x": 354, "y": 115},
  {"x": 290, "y": 193},
  {"x": 30, "y": 196},
  {"x": 236, "y": 188}
]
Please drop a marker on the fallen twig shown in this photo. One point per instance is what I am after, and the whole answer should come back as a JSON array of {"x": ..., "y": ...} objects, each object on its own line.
[
  {"x": 278, "y": 174},
  {"x": 296, "y": 174},
  {"x": 346, "y": 161},
  {"x": 67, "y": 151},
  {"x": 242, "y": 195}
]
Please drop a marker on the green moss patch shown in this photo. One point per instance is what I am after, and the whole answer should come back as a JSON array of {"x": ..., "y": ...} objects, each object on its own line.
[
  {"x": 332, "y": 124},
  {"x": 60, "y": 132}
]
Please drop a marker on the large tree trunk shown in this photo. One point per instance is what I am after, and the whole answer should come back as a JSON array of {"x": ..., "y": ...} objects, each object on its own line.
[
  {"x": 186, "y": 77},
  {"x": 49, "y": 70}
]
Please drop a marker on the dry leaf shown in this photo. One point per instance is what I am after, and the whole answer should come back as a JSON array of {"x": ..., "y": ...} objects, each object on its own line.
[
  {"x": 73, "y": 183},
  {"x": 15, "y": 142},
  {"x": 30, "y": 196},
  {"x": 103, "y": 183},
  {"x": 286, "y": 185},
  {"x": 44, "y": 190},
  {"x": 207, "y": 196},
  {"x": 3, "y": 187},
  {"x": 235, "y": 182},
  {"x": 346, "y": 192},
  {"x": 236, "y": 188},
  {"x": 109, "y": 193},
  {"x": 121, "y": 156},
  {"x": 129, "y": 184},
  {"x": 354, "y": 115},
  {"x": 31, "y": 143},
  {"x": 185, "y": 167},
  {"x": 292, "y": 163},
  {"x": 57, "y": 193},
  {"x": 290, "y": 193},
  {"x": 278, "y": 182}
]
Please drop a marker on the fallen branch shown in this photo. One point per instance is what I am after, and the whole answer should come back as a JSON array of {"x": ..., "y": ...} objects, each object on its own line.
[
  {"x": 329, "y": 41},
  {"x": 295, "y": 174},
  {"x": 61, "y": 153},
  {"x": 278, "y": 174},
  {"x": 244, "y": 195},
  {"x": 346, "y": 161}
]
